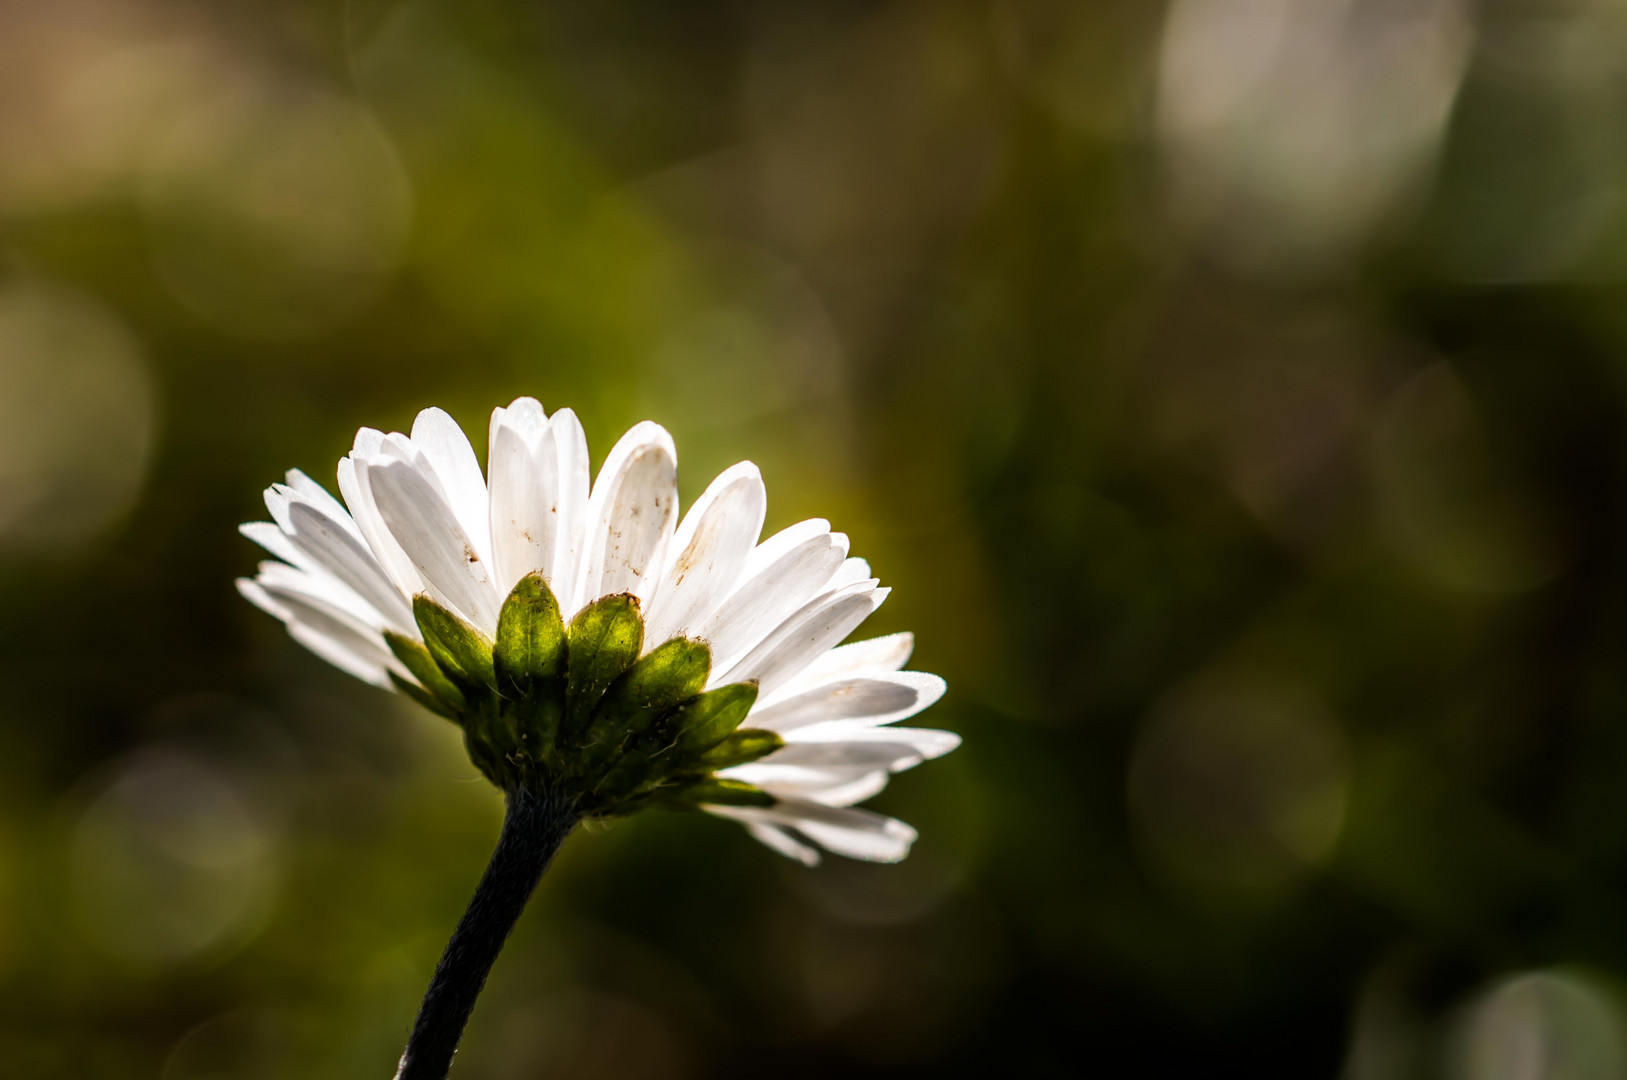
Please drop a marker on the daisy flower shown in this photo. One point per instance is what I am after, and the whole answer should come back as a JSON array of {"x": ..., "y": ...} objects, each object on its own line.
[{"x": 601, "y": 652}]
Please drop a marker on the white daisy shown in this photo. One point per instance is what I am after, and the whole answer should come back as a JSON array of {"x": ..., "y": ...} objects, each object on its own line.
[{"x": 428, "y": 559}]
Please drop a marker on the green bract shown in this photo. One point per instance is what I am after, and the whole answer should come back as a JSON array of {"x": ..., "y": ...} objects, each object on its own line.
[{"x": 578, "y": 711}]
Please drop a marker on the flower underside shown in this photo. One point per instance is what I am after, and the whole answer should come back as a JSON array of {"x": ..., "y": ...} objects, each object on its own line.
[
  {"x": 585, "y": 694},
  {"x": 577, "y": 711}
]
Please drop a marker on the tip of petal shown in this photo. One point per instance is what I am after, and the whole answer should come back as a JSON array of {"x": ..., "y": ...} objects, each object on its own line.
[
  {"x": 434, "y": 416},
  {"x": 903, "y": 837},
  {"x": 523, "y": 417},
  {"x": 367, "y": 442},
  {"x": 251, "y": 591},
  {"x": 942, "y": 743},
  {"x": 276, "y": 501},
  {"x": 651, "y": 433},
  {"x": 526, "y": 409},
  {"x": 740, "y": 470}
]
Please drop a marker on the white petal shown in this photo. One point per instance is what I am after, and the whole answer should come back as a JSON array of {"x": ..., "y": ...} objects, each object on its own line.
[
  {"x": 399, "y": 447},
  {"x": 254, "y": 594},
  {"x": 303, "y": 491},
  {"x": 858, "y": 834},
  {"x": 453, "y": 459},
  {"x": 522, "y": 517},
  {"x": 346, "y": 558},
  {"x": 851, "y": 791},
  {"x": 768, "y": 775},
  {"x": 709, "y": 551},
  {"x": 855, "y": 660},
  {"x": 359, "y": 497},
  {"x": 323, "y": 500},
  {"x": 527, "y": 414},
  {"x": 276, "y": 500},
  {"x": 929, "y": 743},
  {"x": 341, "y": 654},
  {"x": 332, "y": 636},
  {"x": 524, "y": 416},
  {"x": 847, "y": 758},
  {"x": 767, "y": 598},
  {"x": 274, "y": 540},
  {"x": 453, "y": 570},
  {"x": 498, "y": 415},
  {"x": 832, "y": 787},
  {"x": 819, "y": 625},
  {"x": 277, "y": 576},
  {"x": 775, "y": 547},
  {"x": 769, "y": 834},
  {"x": 368, "y": 441},
  {"x": 873, "y": 700},
  {"x": 851, "y": 571},
  {"x": 568, "y": 444},
  {"x": 632, "y": 514},
  {"x": 303, "y": 604},
  {"x": 783, "y": 842},
  {"x": 845, "y": 745}
]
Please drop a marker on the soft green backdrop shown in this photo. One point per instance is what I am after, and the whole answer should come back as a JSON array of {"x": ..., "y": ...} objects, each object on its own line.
[{"x": 1233, "y": 392}]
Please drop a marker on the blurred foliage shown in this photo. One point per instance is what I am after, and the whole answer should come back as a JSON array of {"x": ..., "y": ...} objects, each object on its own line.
[{"x": 1233, "y": 391}]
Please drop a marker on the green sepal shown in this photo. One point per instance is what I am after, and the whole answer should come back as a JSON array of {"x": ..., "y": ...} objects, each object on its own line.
[
  {"x": 424, "y": 698},
  {"x": 486, "y": 755},
  {"x": 717, "y": 791},
  {"x": 416, "y": 659},
  {"x": 576, "y": 710},
  {"x": 603, "y": 642},
  {"x": 671, "y": 674},
  {"x": 710, "y": 718},
  {"x": 536, "y": 723},
  {"x": 631, "y": 772},
  {"x": 530, "y": 638},
  {"x": 745, "y": 745},
  {"x": 463, "y": 652}
]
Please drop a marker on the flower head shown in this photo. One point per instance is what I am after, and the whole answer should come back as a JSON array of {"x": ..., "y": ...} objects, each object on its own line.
[{"x": 592, "y": 643}]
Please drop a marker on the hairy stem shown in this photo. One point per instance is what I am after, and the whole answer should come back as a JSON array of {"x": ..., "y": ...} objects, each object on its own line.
[{"x": 534, "y": 826}]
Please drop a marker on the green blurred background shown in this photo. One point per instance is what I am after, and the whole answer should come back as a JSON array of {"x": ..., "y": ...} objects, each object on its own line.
[{"x": 1233, "y": 391}]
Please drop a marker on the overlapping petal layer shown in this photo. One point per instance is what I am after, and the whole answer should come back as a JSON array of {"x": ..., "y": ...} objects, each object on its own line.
[{"x": 418, "y": 517}]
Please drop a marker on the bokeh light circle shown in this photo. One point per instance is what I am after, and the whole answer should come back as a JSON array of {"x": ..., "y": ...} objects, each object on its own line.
[
  {"x": 1292, "y": 132},
  {"x": 78, "y": 417},
  {"x": 277, "y": 212},
  {"x": 244, "y": 1045},
  {"x": 1447, "y": 504},
  {"x": 167, "y": 862},
  {"x": 1543, "y": 1025},
  {"x": 1238, "y": 782}
]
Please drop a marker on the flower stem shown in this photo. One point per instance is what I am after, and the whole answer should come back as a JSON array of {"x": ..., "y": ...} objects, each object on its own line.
[{"x": 534, "y": 826}]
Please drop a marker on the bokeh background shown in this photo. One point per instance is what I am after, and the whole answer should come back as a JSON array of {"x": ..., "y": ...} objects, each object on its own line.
[{"x": 1235, "y": 392}]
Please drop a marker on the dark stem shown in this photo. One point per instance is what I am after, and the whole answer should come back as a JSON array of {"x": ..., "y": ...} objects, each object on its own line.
[{"x": 534, "y": 826}]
